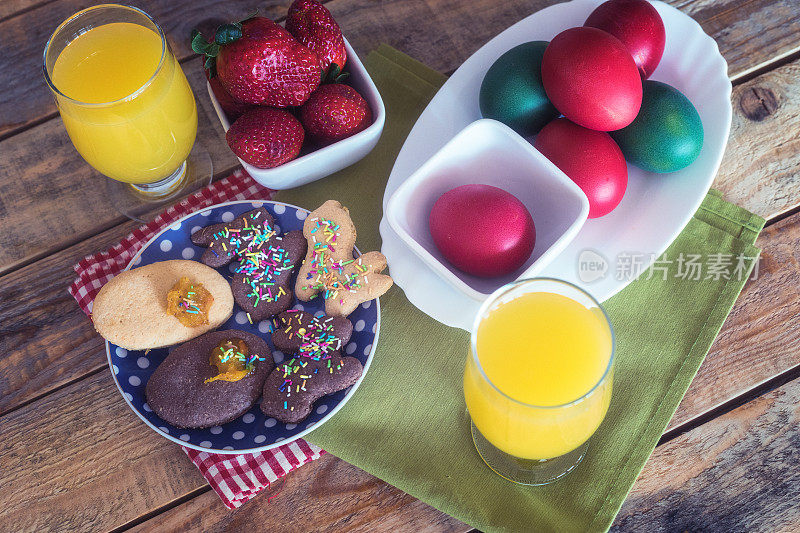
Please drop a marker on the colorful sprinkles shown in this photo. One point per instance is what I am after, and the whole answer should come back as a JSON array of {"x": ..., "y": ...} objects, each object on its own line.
[
  {"x": 261, "y": 258},
  {"x": 326, "y": 275},
  {"x": 317, "y": 339}
]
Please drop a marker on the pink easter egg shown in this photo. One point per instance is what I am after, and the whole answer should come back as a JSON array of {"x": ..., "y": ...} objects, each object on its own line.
[{"x": 482, "y": 230}]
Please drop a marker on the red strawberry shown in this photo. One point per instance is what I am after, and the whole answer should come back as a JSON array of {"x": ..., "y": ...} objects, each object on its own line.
[
  {"x": 266, "y": 137},
  {"x": 232, "y": 107},
  {"x": 312, "y": 24},
  {"x": 258, "y": 62},
  {"x": 334, "y": 112}
]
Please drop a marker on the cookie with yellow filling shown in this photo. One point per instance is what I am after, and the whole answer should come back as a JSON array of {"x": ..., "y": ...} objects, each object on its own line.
[
  {"x": 210, "y": 380},
  {"x": 162, "y": 304}
]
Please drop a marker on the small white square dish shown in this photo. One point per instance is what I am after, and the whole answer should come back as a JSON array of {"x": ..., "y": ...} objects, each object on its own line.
[
  {"x": 489, "y": 153},
  {"x": 328, "y": 159}
]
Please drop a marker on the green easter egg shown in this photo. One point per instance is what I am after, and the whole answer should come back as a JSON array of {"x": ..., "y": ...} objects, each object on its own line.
[
  {"x": 512, "y": 90},
  {"x": 666, "y": 135}
]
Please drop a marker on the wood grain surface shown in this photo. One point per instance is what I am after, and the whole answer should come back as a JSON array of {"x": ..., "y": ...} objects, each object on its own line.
[
  {"x": 45, "y": 339},
  {"x": 331, "y": 496},
  {"x": 441, "y": 33},
  {"x": 100, "y": 468},
  {"x": 56, "y": 199},
  {"x": 732, "y": 472},
  {"x": 86, "y": 464},
  {"x": 26, "y": 100},
  {"x": 737, "y": 472},
  {"x": 761, "y": 167},
  {"x": 761, "y": 337}
]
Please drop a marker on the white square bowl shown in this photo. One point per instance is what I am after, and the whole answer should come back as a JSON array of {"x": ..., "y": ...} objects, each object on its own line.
[
  {"x": 328, "y": 159},
  {"x": 489, "y": 153}
]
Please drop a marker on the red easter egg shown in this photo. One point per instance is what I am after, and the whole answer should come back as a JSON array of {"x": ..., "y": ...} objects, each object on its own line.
[
  {"x": 482, "y": 230},
  {"x": 638, "y": 25},
  {"x": 591, "y": 78},
  {"x": 590, "y": 158}
]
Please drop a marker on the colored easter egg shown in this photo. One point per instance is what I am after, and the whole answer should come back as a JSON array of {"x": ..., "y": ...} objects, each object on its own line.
[
  {"x": 512, "y": 90},
  {"x": 592, "y": 79},
  {"x": 590, "y": 158},
  {"x": 482, "y": 230},
  {"x": 638, "y": 25},
  {"x": 667, "y": 135}
]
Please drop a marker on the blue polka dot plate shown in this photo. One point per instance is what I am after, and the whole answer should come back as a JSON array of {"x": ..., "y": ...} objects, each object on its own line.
[{"x": 253, "y": 431}]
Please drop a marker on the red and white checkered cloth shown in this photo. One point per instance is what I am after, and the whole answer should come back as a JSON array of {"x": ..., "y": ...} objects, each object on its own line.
[{"x": 235, "y": 478}]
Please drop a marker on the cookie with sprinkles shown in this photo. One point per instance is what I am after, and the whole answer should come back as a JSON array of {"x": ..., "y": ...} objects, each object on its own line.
[
  {"x": 226, "y": 241},
  {"x": 262, "y": 282},
  {"x": 210, "y": 380},
  {"x": 316, "y": 369},
  {"x": 292, "y": 388},
  {"x": 299, "y": 332},
  {"x": 329, "y": 267}
]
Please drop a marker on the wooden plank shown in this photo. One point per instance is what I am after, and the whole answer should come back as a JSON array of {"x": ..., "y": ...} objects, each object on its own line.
[
  {"x": 79, "y": 459},
  {"x": 12, "y": 8},
  {"x": 328, "y": 495},
  {"x": 749, "y": 34},
  {"x": 26, "y": 100},
  {"x": 441, "y": 33},
  {"x": 45, "y": 339},
  {"x": 444, "y": 33},
  {"x": 737, "y": 472},
  {"x": 761, "y": 337},
  {"x": 55, "y": 198},
  {"x": 761, "y": 167}
]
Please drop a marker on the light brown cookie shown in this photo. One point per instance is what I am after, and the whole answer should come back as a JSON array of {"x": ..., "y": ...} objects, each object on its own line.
[
  {"x": 131, "y": 309},
  {"x": 329, "y": 268}
]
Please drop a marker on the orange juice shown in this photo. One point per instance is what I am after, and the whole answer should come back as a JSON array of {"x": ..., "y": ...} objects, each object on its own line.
[
  {"x": 545, "y": 350},
  {"x": 141, "y": 120}
]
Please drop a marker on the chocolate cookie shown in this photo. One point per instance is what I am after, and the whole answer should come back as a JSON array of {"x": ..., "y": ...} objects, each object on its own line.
[
  {"x": 188, "y": 391},
  {"x": 299, "y": 332},
  {"x": 292, "y": 388},
  {"x": 317, "y": 368},
  {"x": 261, "y": 285},
  {"x": 227, "y": 240}
]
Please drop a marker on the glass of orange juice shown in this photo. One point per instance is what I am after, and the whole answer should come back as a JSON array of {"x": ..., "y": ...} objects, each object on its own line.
[
  {"x": 538, "y": 378},
  {"x": 126, "y": 105}
]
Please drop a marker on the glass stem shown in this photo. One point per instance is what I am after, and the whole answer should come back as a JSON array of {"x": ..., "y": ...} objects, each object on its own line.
[{"x": 164, "y": 186}]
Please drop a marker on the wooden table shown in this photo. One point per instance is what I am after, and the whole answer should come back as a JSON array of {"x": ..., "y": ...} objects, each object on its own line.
[{"x": 74, "y": 457}]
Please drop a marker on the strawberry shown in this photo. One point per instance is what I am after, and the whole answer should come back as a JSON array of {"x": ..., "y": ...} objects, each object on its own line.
[
  {"x": 258, "y": 62},
  {"x": 312, "y": 24},
  {"x": 334, "y": 112},
  {"x": 232, "y": 107},
  {"x": 266, "y": 137}
]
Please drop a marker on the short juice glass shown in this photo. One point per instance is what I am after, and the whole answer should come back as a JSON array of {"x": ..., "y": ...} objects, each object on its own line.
[
  {"x": 538, "y": 378},
  {"x": 124, "y": 101}
]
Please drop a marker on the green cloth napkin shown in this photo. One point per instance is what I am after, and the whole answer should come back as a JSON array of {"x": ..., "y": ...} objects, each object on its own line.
[{"x": 407, "y": 423}]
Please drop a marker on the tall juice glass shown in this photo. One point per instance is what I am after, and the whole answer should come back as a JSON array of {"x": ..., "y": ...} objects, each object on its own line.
[
  {"x": 538, "y": 378},
  {"x": 124, "y": 100}
]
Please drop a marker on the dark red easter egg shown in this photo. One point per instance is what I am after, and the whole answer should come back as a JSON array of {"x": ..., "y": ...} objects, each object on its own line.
[
  {"x": 482, "y": 230},
  {"x": 638, "y": 25},
  {"x": 590, "y": 77},
  {"x": 590, "y": 158}
]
